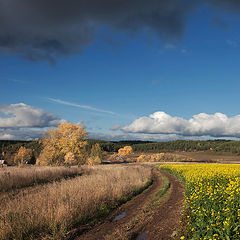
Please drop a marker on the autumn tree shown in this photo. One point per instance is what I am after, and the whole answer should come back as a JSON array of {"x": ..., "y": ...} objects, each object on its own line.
[
  {"x": 125, "y": 151},
  {"x": 23, "y": 156},
  {"x": 65, "y": 143},
  {"x": 90, "y": 162},
  {"x": 69, "y": 158},
  {"x": 96, "y": 153}
]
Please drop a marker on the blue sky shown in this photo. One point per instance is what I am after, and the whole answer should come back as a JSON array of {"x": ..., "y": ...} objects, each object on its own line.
[{"x": 119, "y": 78}]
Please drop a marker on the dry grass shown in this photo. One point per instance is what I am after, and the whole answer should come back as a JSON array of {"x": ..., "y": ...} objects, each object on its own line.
[
  {"x": 14, "y": 177},
  {"x": 52, "y": 211}
]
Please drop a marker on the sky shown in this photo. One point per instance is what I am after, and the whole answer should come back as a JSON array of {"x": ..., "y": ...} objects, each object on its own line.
[{"x": 125, "y": 69}]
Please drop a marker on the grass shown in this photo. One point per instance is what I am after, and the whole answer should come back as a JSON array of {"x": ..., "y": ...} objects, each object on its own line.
[
  {"x": 159, "y": 195},
  {"x": 14, "y": 177},
  {"x": 56, "y": 208}
]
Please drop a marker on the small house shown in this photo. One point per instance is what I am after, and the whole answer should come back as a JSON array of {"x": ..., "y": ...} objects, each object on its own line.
[{"x": 2, "y": 162}]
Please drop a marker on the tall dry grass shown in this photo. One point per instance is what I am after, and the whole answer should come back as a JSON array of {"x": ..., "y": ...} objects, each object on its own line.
[
  {"x": 52, "y": 211},
  {"x": 14, "y": 177}
]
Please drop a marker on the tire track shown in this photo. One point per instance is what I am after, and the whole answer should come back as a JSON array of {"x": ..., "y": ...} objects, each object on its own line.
[{"x": 147, "y": 216}]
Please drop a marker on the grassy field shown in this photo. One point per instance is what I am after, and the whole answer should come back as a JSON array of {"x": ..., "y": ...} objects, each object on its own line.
[
  {"x": 14, "y": 177},
  {"x": 212, "y": 200},
  {"x": 55, "y": 208}
]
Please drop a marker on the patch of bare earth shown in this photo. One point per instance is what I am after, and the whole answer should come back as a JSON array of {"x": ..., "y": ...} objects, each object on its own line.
[
  {"x": 208, "y": 156},
  {"x": 154, "y": 214}
]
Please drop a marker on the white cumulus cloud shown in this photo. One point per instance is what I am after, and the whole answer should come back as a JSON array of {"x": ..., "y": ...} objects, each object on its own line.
[
  {"x": 23, "y": 122},
  {"x": 22, "y": 115},
  {"x": 214, "y": 125}
]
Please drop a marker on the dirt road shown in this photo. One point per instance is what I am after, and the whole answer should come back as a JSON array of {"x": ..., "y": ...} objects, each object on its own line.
[{"x": 154, "y": 214}]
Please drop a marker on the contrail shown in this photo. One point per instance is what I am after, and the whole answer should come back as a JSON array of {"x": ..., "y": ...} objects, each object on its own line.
[{"x": 81, "y": 106}]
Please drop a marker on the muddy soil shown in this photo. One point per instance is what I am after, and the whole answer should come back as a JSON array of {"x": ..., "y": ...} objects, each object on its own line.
[
  {"x": 148, "y": 216},
  {"x": 211, "y": 156}
]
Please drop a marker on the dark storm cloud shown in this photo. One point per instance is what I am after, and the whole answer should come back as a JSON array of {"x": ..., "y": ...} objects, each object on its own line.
[
  {"x": 226, "y": 4},
  {"x": 217, "y": 21},
  {"x": 46, "y": 29},
  {"x": 43, "y": 29}
]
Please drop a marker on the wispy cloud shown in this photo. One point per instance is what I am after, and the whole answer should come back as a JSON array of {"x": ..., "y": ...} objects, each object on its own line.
[
  {"x": 17, "y": 80},
  {"x": 232, "y": 43},
  {"x": 170, "y": 46},
  {"x": 13, "y": 80},
  {"x": 175, "y": 48},
  {"x": 184, "y": 51},
  {"x": 154, "y": 82},
  {"x": 115, "y": 127},
  {"x": 81, "y": 106}
]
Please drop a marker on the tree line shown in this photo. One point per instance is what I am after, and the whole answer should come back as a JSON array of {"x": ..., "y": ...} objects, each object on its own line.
[
  {"x": 9, "y": 149},
  {"x": 219, "y": 145}
]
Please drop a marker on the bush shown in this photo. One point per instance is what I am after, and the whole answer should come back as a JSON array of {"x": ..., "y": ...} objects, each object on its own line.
[
  {"x": 163, "y": 157},
  {"x": 127, "y": 150}
]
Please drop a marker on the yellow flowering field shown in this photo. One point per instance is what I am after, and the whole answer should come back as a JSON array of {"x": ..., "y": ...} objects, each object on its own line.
[{"x": 212, "y": 200}]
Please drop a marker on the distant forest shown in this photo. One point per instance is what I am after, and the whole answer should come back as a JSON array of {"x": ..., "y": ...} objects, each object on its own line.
[
  {"x": 231, "y": 146},
  {"x": 8, "y": 147}
]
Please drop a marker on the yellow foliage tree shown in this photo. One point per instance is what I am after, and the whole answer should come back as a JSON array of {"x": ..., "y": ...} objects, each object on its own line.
[
  {"x": 69, "y": 158},
  {"x": 23, "y": 156},
  {"x": 125, "y": 151},
  {"x": 48, "y": 156},
  {"x": 90, "y": 162},
  {"x": 57, "y": 143},
  {"x": 96, "y": 153}
]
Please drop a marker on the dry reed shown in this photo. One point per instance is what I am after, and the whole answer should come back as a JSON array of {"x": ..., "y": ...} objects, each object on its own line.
[
  {"x": 13, "y": 177},
  {"x": 52, "y": 211}
]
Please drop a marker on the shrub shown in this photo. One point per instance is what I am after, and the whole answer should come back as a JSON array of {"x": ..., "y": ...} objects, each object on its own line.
[
  {"x": 163, "y": 157},
  {"x": 142, "y": 158},
  {"x": 127, "y": 150}
]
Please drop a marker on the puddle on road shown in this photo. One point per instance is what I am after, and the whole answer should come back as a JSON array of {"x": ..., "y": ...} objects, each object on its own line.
[
  {"x": 142, "y": 236},
  {"x": 122, "y": 215}
]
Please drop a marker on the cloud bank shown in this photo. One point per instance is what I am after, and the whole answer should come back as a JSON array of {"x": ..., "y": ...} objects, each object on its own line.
[
  {"x": 43, "y": 30},
  {"x": 121, "y": 136},
  {"x": 214, "y": 125},
  {"x": 23, "y": 122},
  {"x": 20, "y": 133}
]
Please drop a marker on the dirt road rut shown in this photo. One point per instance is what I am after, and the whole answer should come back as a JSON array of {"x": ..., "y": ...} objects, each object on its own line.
[{"x": 155, "y": 214}]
